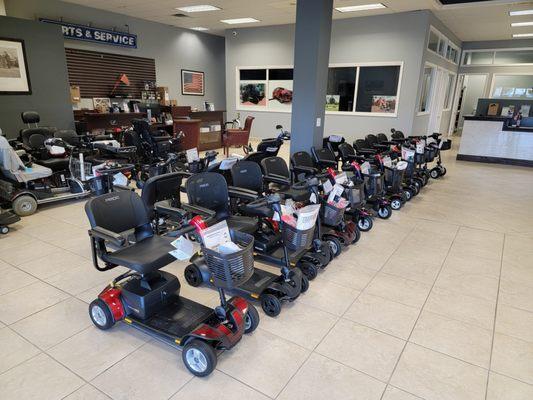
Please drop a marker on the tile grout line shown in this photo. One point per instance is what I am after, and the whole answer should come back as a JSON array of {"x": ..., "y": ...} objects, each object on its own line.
[
  {"x": 421, "y": 310},
  {"x": 495, "y": 316}
]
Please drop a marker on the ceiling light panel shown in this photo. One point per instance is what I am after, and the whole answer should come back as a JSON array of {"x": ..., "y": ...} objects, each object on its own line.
[
  {"x": 521, "y": 12},
  {"x": 522, "y": 35},
  {"x": 235, "y": 21},
  {"x": 362, "y": 7},
  {"x": 517, "y": 24},
  {"x": 198, "y": 8},
  {"x": 199, "y": 28}
]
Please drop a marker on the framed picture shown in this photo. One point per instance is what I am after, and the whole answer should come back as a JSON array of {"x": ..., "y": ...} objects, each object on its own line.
[
  {"x": 14, "y": 76},
  {"x": 383, "y": 104},
  {"x": 252, "y": 94},
  {"x": 192, "y": 83}
]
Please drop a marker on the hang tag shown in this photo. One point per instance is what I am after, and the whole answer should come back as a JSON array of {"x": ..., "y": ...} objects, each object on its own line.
[
  {"x": 313, "y": 198},
  {"x": 184, "y": 248},
  {"x": 327, "y": 186},
  {"x": 387, "y": 162},
  {"x": 192, "y": 155},
  {"x": 365, "y": 167},
  {"x": 341, "y": 178},
  {"x": 336, "y": 193}
]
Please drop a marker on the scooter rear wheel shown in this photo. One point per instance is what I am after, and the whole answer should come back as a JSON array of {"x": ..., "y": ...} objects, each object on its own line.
[
  {"x": 435, "y": 173},
  {"x": 193, "y": 275},
  {"x": 385, "y": 212},
  {"x": 396, "y": 204},
  {"x": 335, "y": 245},
  {"x": 270, "y": 304},
  {"x": 442, "y": 170},
  {"x": 101, "y": 315},
  {"x": 24, "y": 205},
  {"x": 199, "y": 357},
  {"x": 305, "y": 284},
  {"x": 251, "y": 319},
  {"x": 357, "y": 235},
  {"x": 308, "y": 269}
]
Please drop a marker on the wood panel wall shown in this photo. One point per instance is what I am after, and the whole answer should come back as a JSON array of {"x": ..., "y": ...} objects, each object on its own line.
[{"x": 96, "y": 73}]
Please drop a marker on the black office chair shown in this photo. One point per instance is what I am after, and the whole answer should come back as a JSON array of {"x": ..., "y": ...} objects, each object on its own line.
[{"x": 113, "y": 218}]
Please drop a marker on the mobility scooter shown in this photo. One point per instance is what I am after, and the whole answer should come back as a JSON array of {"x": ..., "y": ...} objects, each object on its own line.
[
  {"x": 148, "y": 298},
  {"x": 209, "y": 190},
  {"x": 268, "y": 147}
]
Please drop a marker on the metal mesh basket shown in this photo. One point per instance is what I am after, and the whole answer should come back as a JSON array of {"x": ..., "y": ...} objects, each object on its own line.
[
  {"x": 446, "y": 144},
  {"x": 373, "y": 184},
  {"x": 393, "y": 179},
  {"x": 295, "y": 239},
  {"x": 430, "y": 153},
  {"x": 232, "y": 270},
  {"x": 76, "y": 167},
  {"x": 355, "y": 195},
  {"x": 331, "y": 215}
]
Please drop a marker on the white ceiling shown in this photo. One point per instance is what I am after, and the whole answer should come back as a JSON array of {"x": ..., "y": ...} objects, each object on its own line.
[{"x": 478, "y": 21}]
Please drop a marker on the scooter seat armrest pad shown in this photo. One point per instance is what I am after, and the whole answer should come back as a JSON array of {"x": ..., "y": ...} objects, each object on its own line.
[
  {"x": 330, "y": 163},
  {"x": 165, "y": 208},
  {"x": 107, "y": 235},
  {"x": 279, "y": 179},
  {"x": 206, "y": 212},
  {"x": 244, "y": 194},
  {"x": 305, "y": 169}
]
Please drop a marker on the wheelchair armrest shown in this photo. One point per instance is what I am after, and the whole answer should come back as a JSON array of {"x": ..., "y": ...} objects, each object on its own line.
[
  {"x": 107, "y": 235},
  {"x": 279, "y": 179},
  {"x": 243, "y": 194}
]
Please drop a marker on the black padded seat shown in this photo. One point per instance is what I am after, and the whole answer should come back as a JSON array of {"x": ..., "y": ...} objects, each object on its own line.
[
  {"x": 145, "y": 256},
  {"x": 55, "y": 164},
  {"x": 242, "y": 224}
]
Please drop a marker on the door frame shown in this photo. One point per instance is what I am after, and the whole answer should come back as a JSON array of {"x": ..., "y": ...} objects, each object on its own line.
[{"x": 459, "y": 81}]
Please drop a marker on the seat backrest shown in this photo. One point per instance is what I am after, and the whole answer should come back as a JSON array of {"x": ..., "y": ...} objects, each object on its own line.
[
  {"x": 323, "y": 155},
  {"x": 382, "y": 138},
  {"x": 270, "y": 146},
  {"x": 248, "y": 123},
  {"x": 346, "y": 150},
  {"x": 117, "y": 211},
  {"x": 302, "y": 158},
  {"x": 275, "y": 166},
  {"x": 162, "y": 187},
  {"x": 209, "y": 190},
  {"x": 247, "y": 175},
  {"x": 68, "y": 136},
  {"x": 361, "y": 144},
  {"x": 397, "y": 135},
  {"x": 371, "y": 139},
  {"x": 35, "y": 137},
  {"x": 30, "y": 117},
  {"x": 142, "y": 127}
]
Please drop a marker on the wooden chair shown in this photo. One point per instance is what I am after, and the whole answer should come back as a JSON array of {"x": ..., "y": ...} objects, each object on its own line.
[{"x": 237, "y": 137}]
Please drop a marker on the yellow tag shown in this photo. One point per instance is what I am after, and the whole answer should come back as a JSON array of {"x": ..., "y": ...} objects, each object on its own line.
[
  {"x": 127, "y": 320},
  {"x": 177, "y": 341},
  {"x": 255, "y": 296}
]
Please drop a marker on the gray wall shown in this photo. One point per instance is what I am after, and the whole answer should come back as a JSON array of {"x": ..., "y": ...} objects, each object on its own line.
[
  {"x": 395, "y": 37},
  {"x": 172, "y": 48},
  {"x": 47, "y": 69}
]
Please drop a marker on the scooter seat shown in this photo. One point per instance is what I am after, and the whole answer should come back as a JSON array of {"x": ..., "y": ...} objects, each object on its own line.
[
  {"x": 294, "y": 194},
  {"x": 145, "y": 256},
  {"x": 55, "y": 164},
  {"x": 242, "y": 224},
  {"x": 263, "y": 211}
]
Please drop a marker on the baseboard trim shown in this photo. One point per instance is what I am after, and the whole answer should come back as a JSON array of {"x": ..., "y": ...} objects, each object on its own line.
[{"x": 495, "y": 160}]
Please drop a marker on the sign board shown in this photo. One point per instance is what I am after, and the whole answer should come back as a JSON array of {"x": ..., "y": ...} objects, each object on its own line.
[{"x": 95, "y": 35}]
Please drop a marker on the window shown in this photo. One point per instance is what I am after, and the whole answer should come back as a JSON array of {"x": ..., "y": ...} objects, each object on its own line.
[
  {"x": 341, "y": 88},
  {"x": 514, "y": 57},
  {"x": 442, "y": 46},
  {"x": 377, "y": 90},
  {"x": 426, "y": 89},
  {"x": 498, "y": 57},
  {"x": 478, "y": 58},
  {"x": 512, "y": 86},
  {"x": 449, "y": 91}
]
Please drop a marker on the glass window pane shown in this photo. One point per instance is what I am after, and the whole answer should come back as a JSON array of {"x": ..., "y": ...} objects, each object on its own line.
[
  {"x": 377, "y": 90},
  {"x": 280, "y": 74},
  {"x": 442, "y": 47},
  {"x": 341, "y": 88},
  {"x": 514, "y": 57},
  {"x": 253, "y": 74},
  {"x": 426, "y": 88},
  {"x": 479, "y": 57},
  {"x": 513, "y": 86},
  {"x": 433, "y": 41}
]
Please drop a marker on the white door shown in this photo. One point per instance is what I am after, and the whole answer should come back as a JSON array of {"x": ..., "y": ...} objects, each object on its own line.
[
  {"x": 438, "y": 94},
  {"x": 473, "y": 88}
]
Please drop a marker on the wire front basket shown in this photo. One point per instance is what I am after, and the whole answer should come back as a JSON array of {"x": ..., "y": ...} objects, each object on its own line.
[
  {"x": 355, "y": 195},
  {"x": 295, "y": 239},
  {"x": 80, "y": 170},
  {"x": 331, "y": 214},
  {"x": 231, "y": 270},
  {"x": 393, "y": 179},
  {"x": 373, "y": 184}
]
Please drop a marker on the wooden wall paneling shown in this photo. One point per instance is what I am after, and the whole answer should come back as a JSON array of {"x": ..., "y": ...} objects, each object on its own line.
[{"x": 96, "y": 72}]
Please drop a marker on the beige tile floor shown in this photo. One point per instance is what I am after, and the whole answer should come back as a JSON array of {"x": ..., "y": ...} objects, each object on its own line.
[{"x": 436, "y": 303}]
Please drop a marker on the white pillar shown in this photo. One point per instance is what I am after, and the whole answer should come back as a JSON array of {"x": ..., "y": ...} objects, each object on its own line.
[{"x": 2, "y": 7}]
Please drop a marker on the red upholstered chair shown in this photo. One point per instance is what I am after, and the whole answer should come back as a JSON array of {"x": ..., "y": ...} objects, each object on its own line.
[{"x": 237, "y": 137}]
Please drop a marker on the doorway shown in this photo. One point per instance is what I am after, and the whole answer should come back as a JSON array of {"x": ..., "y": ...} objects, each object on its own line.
[
  {"x": 438, "y": 95},
  {"x": 470, "y": 88}
]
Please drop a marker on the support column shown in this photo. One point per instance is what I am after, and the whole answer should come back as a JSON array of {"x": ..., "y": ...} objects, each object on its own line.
[
  {"x": 2, "y": 8},
  {"x": 311, "y": 59}
]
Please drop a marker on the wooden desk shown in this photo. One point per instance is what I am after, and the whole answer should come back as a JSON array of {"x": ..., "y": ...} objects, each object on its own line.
[
  {"x": 190, "y": 123},
  {"x": 98, "y": 121}
]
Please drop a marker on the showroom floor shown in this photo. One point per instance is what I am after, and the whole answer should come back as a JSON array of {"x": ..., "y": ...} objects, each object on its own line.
[{"x": 436, "y": 303}]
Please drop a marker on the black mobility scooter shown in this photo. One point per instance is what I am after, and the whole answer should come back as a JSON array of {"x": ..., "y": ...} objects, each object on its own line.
[
  {"x": 209, "y": 190},
  {"x": 149, "y": 298}
]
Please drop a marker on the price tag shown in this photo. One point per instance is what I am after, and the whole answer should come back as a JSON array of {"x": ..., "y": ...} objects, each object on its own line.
[
  {"x": 192, "y": 155},
  {"x": 327, "y": 186}
]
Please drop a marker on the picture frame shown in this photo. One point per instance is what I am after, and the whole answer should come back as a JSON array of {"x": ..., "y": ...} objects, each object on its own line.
[
  {"x": 192, "y": 82},
  {"x": 14, "y": 73}
]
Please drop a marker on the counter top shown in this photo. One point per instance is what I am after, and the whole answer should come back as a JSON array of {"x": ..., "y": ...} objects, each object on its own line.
[
  {"x": 485, "y": 118},
  {"x": 505, "y": 126}
]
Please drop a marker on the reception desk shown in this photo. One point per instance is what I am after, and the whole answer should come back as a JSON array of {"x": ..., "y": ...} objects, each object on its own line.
[{"x": 489, "y": 139}]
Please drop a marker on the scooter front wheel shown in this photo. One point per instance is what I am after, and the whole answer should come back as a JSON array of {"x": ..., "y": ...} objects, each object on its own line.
[
  {"x": 101, "y": 315},
  {"x": 385, "y": 212},
  {"x": 305, "y": 284},
  {"x": 199, "y": 357},
  {"x": 396, "y": 204},
  {"x": 335, "y": 245},
  {"x": 270, "y": 304},
  {"x": 308, "y": 269},
  {"x": 251, "y": 319},
  {"x": 365, "y": 223},
  {"x": 434, "y": 173},
  {"x": 193, "y": 275}
]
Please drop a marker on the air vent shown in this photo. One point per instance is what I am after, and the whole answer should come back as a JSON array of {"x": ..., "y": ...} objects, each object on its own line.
[{"x": 180, "y": 15}]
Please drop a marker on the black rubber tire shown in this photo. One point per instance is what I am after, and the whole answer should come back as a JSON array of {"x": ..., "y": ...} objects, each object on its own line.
[
  {"x": 4, "y": 230},
  {"x": 443, "y": 171},
  {"x": 193, "y": 276},
  {"x": 367, "y": 225},
  {"x": 270, "y": 304},
  {"x": 335, "y": 245},
  {"x": 396, "y": 204},
  {"x": 385, "y": 212},
  {"x": 308, "y": 269},
  {"x": 417, "y": 184},
  {"x": 408, "y": 193},
  {"x": 305, "y": 284},
  {"x": 357, "y": 235},
  {"x": 24, "y": 205},
  {"x": 109, "y": 320},
  {"x": 434, "y": 173},
  {"x": 251, "y": 319},
  {"x": 207, "y": 351}
]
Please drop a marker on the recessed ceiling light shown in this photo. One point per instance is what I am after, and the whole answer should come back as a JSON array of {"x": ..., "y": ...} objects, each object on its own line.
[
  {"x": 199, "y": 28},
  {"x": 362, "y": 7},
  {"x": 520, "y": 35},
  {"x": 530, "y": 23},
  {"x": 522, "y": 12},
  {"x": 239, "y": 21},
  {"x": 198, "y": 8}
]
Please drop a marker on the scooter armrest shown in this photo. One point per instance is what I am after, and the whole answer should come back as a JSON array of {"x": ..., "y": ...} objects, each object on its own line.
[
  {"x": 243, "y": 194},
  {"x": 122, "y": 188},
  {"x": 366, "y": 152},
  {"x": 206, "y": 212},
  {"x": 107, "y": 235},
  {"x": 304, "y": 169},
  {"x": 164, "y": 207},
  {"x": 280, "y": 180}
]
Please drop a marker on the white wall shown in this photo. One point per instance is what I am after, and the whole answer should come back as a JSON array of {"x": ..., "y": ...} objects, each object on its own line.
[
  {"x": 395, "y": 37},
  {"x": 172, "y": 48}
]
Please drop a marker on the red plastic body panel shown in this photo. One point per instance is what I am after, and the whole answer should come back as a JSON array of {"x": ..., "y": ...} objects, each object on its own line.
[{"x": 111, "y": 296}]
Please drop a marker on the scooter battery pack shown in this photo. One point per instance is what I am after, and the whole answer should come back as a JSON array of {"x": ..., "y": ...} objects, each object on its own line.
[
  {"x": 143, "y": 298},
  {"x": 265, "y": 243}
]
